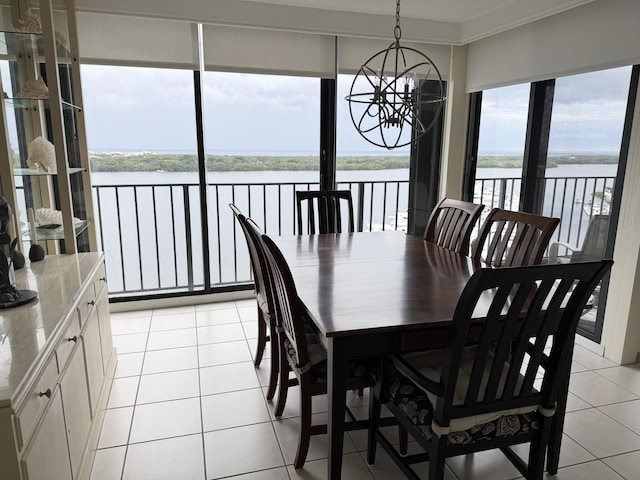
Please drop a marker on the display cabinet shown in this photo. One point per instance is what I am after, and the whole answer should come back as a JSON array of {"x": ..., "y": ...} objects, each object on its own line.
[{"x": 42, "y": 118}]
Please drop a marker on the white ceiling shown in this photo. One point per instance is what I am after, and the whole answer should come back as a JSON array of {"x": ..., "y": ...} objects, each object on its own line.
[
  {"x": 456, "y": 11},
  {"x": 453, "y": 22}
]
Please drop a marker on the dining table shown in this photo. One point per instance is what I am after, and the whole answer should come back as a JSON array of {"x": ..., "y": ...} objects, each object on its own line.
[{"x": 370, "y": 294}]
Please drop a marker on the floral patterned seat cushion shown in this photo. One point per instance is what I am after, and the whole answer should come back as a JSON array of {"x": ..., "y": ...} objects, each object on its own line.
[
  {"x": 365, "y": 370},
  {"x": 416, "y": 406}
]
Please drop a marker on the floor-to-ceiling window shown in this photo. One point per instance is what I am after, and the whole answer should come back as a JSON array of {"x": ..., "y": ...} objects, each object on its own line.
[
  {"x": 142, "y": 142},
  {"x": 501, "y": 143},
  {"x": 262, "y": 139},
  {"x": 252, "y": 118},
  {"x": 554, "y": 148},
  {"x": 585, "y": 138}
]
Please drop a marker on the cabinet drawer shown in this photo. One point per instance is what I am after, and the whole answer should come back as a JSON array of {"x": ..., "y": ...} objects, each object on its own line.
[
  {"x": 67, "y": 343},
  {"x": 86, "y": 305},
  {"x": 100, "y": 280},
  {"x": 37, "y": 400}
]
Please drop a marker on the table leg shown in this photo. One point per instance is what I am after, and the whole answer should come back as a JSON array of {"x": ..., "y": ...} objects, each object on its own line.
[{"x": 337, "y": 365}]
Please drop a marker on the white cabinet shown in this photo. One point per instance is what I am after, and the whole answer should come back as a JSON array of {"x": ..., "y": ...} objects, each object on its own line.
[
  {"x": 106, "y": 339},
  {"x": 93, "y": 358},
  {"x": 75, "y": 403},
  {"x": 50, "y": 423},
  {"x": 47, "y": 457}
]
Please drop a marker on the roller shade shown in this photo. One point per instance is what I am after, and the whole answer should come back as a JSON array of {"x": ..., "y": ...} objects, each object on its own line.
[
  {"x": 595, "y": 36},
  {"x": 353, "y": 52},
  {"x": 253, "y": 50},
  {"x": 120, "y": 40}
]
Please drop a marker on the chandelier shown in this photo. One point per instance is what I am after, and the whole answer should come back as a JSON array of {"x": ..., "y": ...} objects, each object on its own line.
[{"x": 388, "y": 92}]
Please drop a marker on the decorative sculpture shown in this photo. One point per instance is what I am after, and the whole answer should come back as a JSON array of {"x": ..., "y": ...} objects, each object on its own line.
[
  {"x": 35, "y": 89},
  {"x": 42, "y": 154},
  {"x": 30, "y": 23},
  {"x": 9, "y": 294}
]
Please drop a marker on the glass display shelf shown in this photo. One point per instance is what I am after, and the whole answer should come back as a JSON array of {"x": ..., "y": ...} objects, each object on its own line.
[
  {"x": 36, "y": 103},
  {"x": 46, "y": 232},
  {"x": 28, "y": 172},
  {"x": 13, "y": 44}
]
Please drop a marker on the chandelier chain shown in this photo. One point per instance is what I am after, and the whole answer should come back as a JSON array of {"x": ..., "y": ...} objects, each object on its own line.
[{"x": 396, "y": 31}]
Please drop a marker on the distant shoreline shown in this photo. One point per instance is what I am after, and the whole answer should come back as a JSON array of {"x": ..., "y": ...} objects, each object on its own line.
[{"x": 154, "y": 162}]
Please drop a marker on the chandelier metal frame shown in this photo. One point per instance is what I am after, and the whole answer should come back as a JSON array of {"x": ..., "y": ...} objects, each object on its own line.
[{"x": 386, "y": 94}]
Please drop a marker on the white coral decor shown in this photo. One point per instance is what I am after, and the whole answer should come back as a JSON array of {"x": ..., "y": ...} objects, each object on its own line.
[
  {"x": 49, "y": 216},
  {"x": 42, "y": 154}
]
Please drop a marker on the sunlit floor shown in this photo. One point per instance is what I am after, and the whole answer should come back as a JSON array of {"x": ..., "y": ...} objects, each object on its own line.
[{"x": 187, "y": 404}]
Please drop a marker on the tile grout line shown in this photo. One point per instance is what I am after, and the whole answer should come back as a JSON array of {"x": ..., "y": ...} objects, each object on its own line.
[
  {"x": 271, "y": 420},
  {"x": 135, "y": 402}
]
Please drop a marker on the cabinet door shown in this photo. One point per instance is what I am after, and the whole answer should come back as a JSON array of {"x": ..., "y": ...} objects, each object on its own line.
[
  {"x": 93, "y": 359},
  {"x": 75, "y": 402},
  {"x": 104, "y": 320},
  {"x": 47, "y": 456}
]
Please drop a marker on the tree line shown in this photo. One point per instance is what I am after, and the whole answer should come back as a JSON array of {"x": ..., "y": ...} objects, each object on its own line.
[{"x": 153, "y": 162}]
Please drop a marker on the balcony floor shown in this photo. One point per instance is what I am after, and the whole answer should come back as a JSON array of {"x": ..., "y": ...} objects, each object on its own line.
[{"x": 187, "y": 404}]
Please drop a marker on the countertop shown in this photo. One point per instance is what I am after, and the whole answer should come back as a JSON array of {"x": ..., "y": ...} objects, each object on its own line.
[{"x": 26, "y": 331}]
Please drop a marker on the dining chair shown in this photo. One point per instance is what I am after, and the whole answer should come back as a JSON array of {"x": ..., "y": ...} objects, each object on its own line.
[
  {"x": 264, "y": 298},
  {"x": 322, "y": 211},
  {"x": 511, "y": 239},
  {"x": 302, "y": 352},
  {"x": 451, "y": 224},
  {"x": 502, "y": 391}
]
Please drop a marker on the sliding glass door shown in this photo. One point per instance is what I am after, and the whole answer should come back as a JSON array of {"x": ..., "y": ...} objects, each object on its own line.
[{"x": 556, "y": 148}]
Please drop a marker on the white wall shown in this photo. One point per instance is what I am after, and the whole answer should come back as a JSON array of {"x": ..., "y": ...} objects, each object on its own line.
[{"x": 621, "y": 334}]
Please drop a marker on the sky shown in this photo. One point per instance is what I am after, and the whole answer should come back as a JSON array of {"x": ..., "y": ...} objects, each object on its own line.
[
  {"x": 150, "y": 109},
  {"x": 587, "y": 116}
]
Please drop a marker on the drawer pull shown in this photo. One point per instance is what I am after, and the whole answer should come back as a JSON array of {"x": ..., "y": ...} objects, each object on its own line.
[
  {"x": 92, "y": 302},
  {"x": 103, "y": 279},
  {"x": 73, "y": 339},
  {"x": 46, "y": 393}
]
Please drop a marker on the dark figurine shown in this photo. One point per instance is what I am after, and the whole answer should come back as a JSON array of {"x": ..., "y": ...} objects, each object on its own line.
[
  {"x": 8, "y": 292},
  {"x": 36, "y": 253},
  {"x": 18, "y": 259}
]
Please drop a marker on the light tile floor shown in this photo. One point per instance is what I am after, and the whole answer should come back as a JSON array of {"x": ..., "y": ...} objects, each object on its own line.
[{"x": 187, "y": 404}]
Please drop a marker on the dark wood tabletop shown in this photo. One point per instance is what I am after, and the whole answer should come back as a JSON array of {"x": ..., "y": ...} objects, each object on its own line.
[
  {"x": 378, "y": 281},
  {"x": 371, "y": 294},
  {"x": 376, "y": 293}
]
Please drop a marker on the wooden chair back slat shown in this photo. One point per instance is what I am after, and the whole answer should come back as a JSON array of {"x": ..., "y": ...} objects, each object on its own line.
[
  {"x": 451, "y": 224},
  {"x": 324, "y": 211},
  {"x": 289, "y": 312},
  {"x": 509, "y": 238},
  {"x": 257, "y": 260},
  {"x": 522, "y": 311}
]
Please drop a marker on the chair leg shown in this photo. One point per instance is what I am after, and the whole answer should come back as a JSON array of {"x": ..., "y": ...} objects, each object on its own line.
[
  {"x": 537, "y": 452},
  {"x": 375, "y": 408},
  {"x": 262, "y": 338},
  {"x": 274, "y": 364},
  {"x": 404, "y": 440},
  {"x": 305, "y": 427},
  {"x": 283, "y": 382},
  {"x": 436, "y": 458}
]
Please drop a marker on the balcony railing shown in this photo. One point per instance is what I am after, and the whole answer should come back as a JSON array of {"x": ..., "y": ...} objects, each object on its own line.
[{"x": 152, "y": 234}]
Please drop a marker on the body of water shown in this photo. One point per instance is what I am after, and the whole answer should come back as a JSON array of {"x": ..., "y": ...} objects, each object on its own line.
[
  {"x": 153, "y": 218},
  {"x": 150, "y": 178}
]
